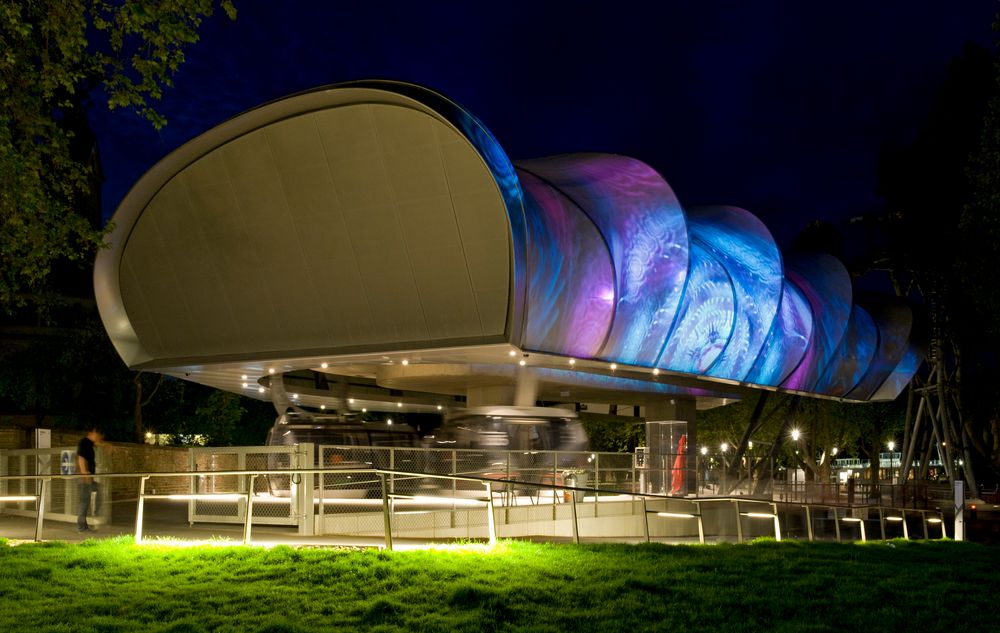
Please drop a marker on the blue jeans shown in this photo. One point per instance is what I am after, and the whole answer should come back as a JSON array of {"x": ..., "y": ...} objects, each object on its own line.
[{"x": 85, "y": 490}]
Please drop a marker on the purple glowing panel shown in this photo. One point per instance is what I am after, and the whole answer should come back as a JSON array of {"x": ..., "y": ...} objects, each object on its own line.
[
  {"x": 901, "y": 375},
  {"x": 642, "y": 222},
  {"x": 744, "y": 246},
  {"x": 706, "y": 317},
  {"x": 570, "y": 280},
  {"x": 827, "y": 287},
  {"x": 787, "y": 341},
  {"x": 894, "y": 321},
  {"x": 852, "y": 358}
]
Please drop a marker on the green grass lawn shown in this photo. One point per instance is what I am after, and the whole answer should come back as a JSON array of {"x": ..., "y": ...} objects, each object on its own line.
[{"x": 113, "y": 585}]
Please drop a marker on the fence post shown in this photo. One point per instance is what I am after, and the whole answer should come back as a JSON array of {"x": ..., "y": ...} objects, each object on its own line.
[
  {"x": 645, "y": 519},
  {"x": 392, "y": 466},
  {"x": 306, "y": 461},
  {"x": 490, "y": 517},
  {"x": 139, "y": 509},
  {"x": 576, "y": 525},
  {"x": 597, "y": 481},
  {"x": 701, "y": 523},
  {"x": 454, "y": 484},
  {"x": 192, "y": 488},
  {"x": 249, "y": 504},
  {"x": 40, "y": 508},
  {"x": 386, "y": 513},
  {"x": 739, "y": 522}
]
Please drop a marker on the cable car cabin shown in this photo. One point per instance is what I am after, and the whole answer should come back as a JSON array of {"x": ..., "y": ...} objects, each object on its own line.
[
  {"x": 325, "y": 431},
  {"x": 533, "y": 444}
]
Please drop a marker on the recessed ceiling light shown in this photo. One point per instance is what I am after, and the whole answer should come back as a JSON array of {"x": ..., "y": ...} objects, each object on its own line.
[
  {"x": 245, "y": 385},
  {"x": 522, "y": 363},
  {"x": 656, "y": 371},
  {"x": 614, "y": 366},
  {"x": 322, "y": 407},
  {"x": 399, "y": 404},
  {"x": 350, "y": 400},
  {"x": 324, "y": 365},
  {"x": 271, "y": 370},
  {"x": 243, "y": 377},
  {"x": 512, "y": 353},
  {"x": 295, "y": 396},
  {"x": 260, "y": 389},
  {"x": 439, "y": 407},
  {"x": 406, "y": 362},
  {"x": 572, "y": 361},
  {"x": 363, "y": 410}
]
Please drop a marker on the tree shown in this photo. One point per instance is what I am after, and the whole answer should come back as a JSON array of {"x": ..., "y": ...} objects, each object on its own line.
[
  {"x": 941, "y": 227},
  {"x": 55, "y": 54}
]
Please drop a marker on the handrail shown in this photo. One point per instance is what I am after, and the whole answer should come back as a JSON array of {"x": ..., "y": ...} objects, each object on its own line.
[{"x": 388, "y": 496}]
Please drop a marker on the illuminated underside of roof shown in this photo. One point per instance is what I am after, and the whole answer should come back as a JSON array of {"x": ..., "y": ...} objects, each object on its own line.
[{"x": 350, "y": 228}]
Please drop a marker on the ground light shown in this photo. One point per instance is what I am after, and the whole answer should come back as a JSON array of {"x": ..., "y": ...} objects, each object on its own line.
[
  {"x": 864, "y": 534},
  {"x": 935, "y": 521},
  {"x": 900, "y": 518},
  {"x": 677, "y": 515}
]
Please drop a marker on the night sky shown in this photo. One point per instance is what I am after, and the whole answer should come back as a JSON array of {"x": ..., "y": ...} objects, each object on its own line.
[{"x": 780, "y": 107}]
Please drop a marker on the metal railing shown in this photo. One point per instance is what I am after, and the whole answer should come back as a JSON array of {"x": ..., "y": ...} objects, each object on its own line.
[{"x": 626, "y": 516}]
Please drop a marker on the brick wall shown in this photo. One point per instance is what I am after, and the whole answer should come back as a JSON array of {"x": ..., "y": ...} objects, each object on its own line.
[
  {"x": 121, "y": 457},
  {"x": 12, "y": 438},
  {"x": 15, "y": 437}
]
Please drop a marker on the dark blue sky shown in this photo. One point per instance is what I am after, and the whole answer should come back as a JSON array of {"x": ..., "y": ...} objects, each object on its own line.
[{"x": 780, "y": 107}]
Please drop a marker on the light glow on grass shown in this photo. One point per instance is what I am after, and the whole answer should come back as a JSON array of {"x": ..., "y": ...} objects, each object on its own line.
[{"x": 220, "y": 496}]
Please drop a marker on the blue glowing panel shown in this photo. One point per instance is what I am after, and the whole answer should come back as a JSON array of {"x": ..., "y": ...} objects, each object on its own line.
[
  {"x": 894, "y": 321},
  {"x": 706, "y": 317},
  {"x": 827, "y": 287},
  {"x": 787, "y": 341},
  {"x": 640, "y": 219},
  {"x": 852, "y": 358},
  {"x": 571, "y": 288},
  {"x": 901, "y": 375},
  {"x": 744, "y": 246}
]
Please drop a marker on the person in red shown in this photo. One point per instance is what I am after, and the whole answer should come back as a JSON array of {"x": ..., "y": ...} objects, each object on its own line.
[{"x": 86, "y": 464}]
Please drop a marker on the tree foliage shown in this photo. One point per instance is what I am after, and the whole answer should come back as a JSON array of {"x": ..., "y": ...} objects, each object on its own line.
[
  {"x": 943, "y": 223},
  {"x": 55, "y": 54}
]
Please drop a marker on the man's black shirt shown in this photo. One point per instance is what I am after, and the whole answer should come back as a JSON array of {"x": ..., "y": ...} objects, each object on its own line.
[{"x": 85, "y": 449}]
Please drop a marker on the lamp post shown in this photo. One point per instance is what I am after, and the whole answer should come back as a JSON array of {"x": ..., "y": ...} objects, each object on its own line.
[
  {"x": 891, "y": 445},
  {"x": 795, "y": 434},
  {"x": 704, "y": 462},
  {"x": 725, "y": 467}
]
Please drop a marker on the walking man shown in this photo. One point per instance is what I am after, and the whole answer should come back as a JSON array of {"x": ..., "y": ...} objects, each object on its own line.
[{"x": 86, "y": 464}]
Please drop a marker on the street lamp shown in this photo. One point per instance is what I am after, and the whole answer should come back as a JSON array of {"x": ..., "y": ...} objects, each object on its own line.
[{"x": 795, "y": 435}]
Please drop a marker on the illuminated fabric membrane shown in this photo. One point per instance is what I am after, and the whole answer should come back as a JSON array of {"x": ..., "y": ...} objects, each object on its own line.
[{"x": 617, "y": 271}]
